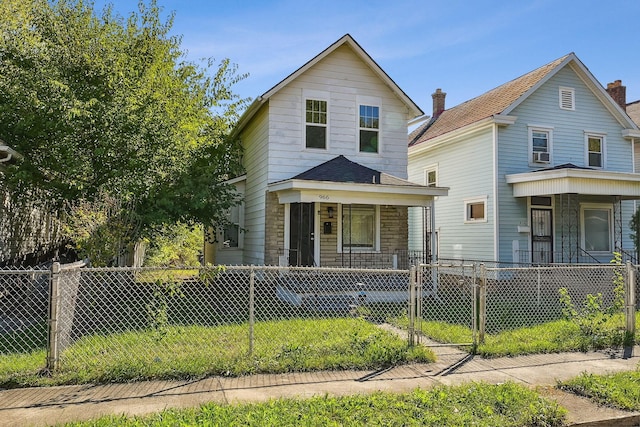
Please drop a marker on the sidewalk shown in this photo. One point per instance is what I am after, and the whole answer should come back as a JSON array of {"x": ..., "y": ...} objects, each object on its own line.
[{"x": 47, "y": 406}]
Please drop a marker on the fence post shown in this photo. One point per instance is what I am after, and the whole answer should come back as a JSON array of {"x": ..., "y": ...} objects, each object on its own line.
[
  {"x": 252, "y": 320},
  {"x": 412, "y": 305},
  {"x": 52, "y": 332},
  {"x": 417, "y": 326},
  {"x": 630, "y": 300},
  {"x": 474, "y": 308},
  {"x": 482, "y": 303}
]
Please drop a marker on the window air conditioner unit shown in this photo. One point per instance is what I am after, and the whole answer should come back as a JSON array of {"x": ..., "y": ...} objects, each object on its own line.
[{"x": 541, "y": 157}]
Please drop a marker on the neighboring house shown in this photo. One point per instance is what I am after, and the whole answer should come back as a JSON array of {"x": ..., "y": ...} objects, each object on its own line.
[
  {"x": 28, "y": 234},
  {"x": 325, "y": 156},
  {"x": 633, "y": 110},
  {"x": 540, "y": 169}
]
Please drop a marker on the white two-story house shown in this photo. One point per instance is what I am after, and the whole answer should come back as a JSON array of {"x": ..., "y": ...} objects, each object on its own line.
[{"x": 325, "y": 156}]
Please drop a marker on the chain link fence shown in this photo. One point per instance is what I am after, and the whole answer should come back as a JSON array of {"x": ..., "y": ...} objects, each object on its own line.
[
  {"x": 24, "y": 296},
  {"x": 108, "y": 310},
  {"x": 520, "y": 297},
  {"x": 88, "y": 314}
]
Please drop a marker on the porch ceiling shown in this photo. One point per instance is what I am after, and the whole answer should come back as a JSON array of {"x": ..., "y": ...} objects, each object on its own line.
[
  {"x": 306, "y": 191},
  {"x": 576, "y": 181}
]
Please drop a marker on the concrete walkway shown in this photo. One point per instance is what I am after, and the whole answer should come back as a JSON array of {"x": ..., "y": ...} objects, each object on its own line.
[{"x": 51, "y": 405}]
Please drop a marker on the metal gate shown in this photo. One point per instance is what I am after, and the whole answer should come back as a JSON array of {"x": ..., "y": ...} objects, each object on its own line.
[{"x": 443, "y": 305}]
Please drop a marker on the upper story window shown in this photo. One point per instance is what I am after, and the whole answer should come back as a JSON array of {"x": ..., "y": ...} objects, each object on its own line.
[
  {"x": 567, "y": 98},
  {"x": 431, "y": 176},
  {"x": 369, "y": 125},
  {"x": 595, "y": 150},
  {"x": 316, "y": 123},
  {"x": 540, "y": 144}
]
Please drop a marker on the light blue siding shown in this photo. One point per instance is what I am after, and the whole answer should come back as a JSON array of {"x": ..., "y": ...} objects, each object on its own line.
[{"x": 568, "y": 146}]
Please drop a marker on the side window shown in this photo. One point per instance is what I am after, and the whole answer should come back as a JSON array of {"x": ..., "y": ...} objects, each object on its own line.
[
  {"x": 316, "y": 123},
  {"x": 369, "y": 125},
  {"x": 595, "y": 150},
  {"x": 475, "y": 210},
  {"x": 231, "y": 234},
  {"x": 431, "y": 176}
]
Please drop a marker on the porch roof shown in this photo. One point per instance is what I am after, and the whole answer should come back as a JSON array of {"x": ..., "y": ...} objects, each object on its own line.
[
  {"x": 340, "y": 180},
  {"x": 571, "y": 179}
]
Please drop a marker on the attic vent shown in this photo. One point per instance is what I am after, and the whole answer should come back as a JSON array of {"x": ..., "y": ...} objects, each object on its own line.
[{"x": 567, "y": 98}]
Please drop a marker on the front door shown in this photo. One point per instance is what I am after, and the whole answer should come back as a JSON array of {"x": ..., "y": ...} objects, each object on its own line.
[
  {"x": 541, "y": 236},
  {"x": 301, "y": 229}
]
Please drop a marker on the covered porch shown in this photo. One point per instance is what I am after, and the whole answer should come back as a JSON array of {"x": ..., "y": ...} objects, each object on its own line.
[
  {"x": 342, "y": 214},
  {"x": 576, "y": 215}
]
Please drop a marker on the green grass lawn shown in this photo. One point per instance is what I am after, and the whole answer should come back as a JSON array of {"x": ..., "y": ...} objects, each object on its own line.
[
  {"x": 620, "y": 390},
  {"x": 476, "y": 404},
  {"x": 551, "y": 337},
  {"x": 198, "y": 351},
  {"x": 309, "y": 344}
]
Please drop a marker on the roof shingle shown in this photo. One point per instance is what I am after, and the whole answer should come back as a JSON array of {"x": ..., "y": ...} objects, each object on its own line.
[
  {"x": 486, "y": 105},
  {"x": 341, "y": 169}
]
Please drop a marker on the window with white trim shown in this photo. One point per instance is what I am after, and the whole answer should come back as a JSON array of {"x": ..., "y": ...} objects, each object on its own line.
[
  {"x": 594, "y": 150},
  {"x": 431, "y": 176},
  {"x": 369, "y": 128},
  {"x": 567, "y": 98},
  {"x": 540, "y": 145},
  {"x": 359, "y": 228},
  {"x": 231, "y": 233},
  {"x": 475, "y": 210},
  {"x": 316, "y": 123},
  {"x": 596, "y": 227}
]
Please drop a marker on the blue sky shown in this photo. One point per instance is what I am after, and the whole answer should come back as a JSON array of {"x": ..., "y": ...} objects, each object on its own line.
[{"x": 464, "y": 47}]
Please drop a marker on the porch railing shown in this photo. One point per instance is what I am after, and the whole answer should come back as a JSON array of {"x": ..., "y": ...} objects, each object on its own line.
[
  {"x": 580, "y": 256},
  {"x": 400, "y": 259}
]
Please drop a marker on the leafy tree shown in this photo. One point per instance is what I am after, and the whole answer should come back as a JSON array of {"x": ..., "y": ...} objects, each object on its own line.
[
  {"x": 116, "y": 127},
  {"x": 179, "y": 246}
]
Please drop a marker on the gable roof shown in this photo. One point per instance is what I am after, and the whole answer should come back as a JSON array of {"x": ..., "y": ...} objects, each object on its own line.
[
  {"x": 504, "y": 98},
  {"x": 360, "y": 52},
  {"x": 341, "y": 169}
]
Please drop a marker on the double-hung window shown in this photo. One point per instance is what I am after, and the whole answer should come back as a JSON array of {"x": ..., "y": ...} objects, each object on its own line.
[
  {"x": 369, "y": 126},
  {"x": 231, "y": 234},
  {"x": 431, "y": 176},
  {"x": 595, "y": 150},
  {"x": 597, "y": 234},
  {"x": 540, "y": 141},
  {"x": 540, "y": 145},
  {"x": 316, "y": 123},
  {"x": 360, "y": 227}
]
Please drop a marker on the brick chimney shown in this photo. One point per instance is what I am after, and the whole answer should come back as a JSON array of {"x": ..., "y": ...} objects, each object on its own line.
[
  {"x": 438, "y": 102},
  {"x": 617, "y": 92}
]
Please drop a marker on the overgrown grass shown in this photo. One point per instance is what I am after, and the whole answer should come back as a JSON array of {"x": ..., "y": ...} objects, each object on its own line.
[
  {"x": 551, "y": 337},
  {"x": 198, "y": 351},
  {"x": 620, "y": 390},
  {"x": 476, "y": 404}
]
